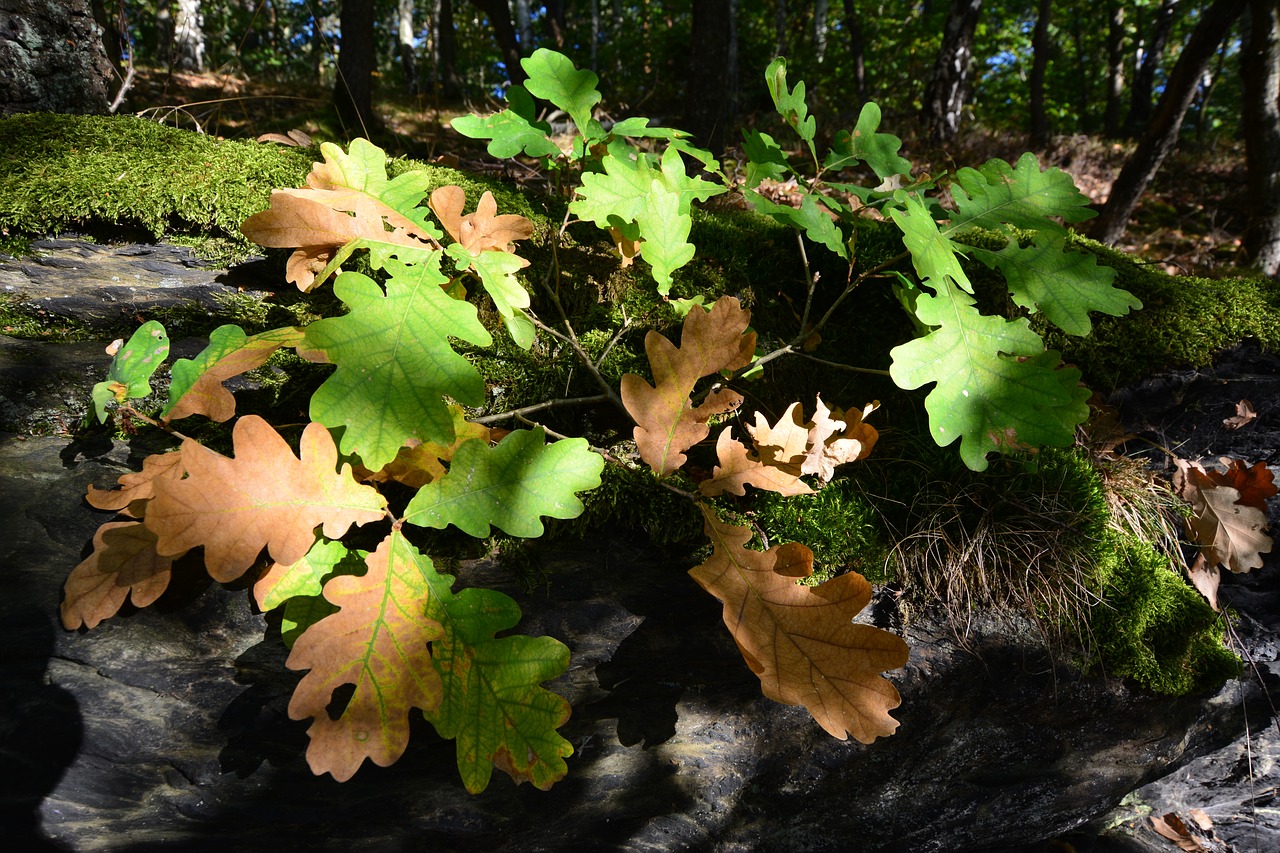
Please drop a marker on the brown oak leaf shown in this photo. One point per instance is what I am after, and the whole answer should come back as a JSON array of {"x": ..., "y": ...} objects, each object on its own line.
[
  {"x": 265, "y": 497},
  {"x": 738, "y": 469},
  {"x": 483, "y": 229},
  {"x": 124, "y": 564},
  {"x": 667, "y": 422},
  {"x": 800, "y": 640},
  {"x": 1228, "y": 511},
  {"x": 207, "y": 396},
  {"x": 377, "y": 641},
  {"x": 138, "y": 487}
]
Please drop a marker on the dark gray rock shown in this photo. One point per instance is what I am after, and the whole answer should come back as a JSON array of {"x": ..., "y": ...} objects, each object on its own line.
[{"x": 167, "y": 727}]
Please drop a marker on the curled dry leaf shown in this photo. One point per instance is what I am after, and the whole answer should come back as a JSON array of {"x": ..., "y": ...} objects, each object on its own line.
[
  {"x": 1245, "y": 414},
  {"x": 738, "y": 469},
  {"x": 832, "y": 438},
  {"x": 1228, "y": 511},
  {"x": 799, "y": 640}
]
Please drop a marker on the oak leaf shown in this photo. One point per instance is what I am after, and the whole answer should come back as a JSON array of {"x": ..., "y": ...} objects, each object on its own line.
[
  {"x": 832, "y": 438},
  {"x": 378, "y": 642},
  {"x": 124, "y": 564},
  {"x": 484, "y": 228},
  {"x": 493, "y": 704},
  {"x": 132, "y": 364},
  {"x": 667, "y": 424},
  {"x": 801, "y": 641},
  {"x": 264, "y": 497},
  {"x": 1228, "y": 511},
  {"x": 738, "y": 469},
  {"x": 196, "y": 386},
  {"x": 138, "y": 487}
]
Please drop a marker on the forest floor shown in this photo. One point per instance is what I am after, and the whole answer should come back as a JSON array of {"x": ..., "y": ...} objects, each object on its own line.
[{"x": 1189, "y": 222}]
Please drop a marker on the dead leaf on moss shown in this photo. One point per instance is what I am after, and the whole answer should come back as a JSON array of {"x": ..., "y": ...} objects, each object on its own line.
[{"x": 483, "y": 229}]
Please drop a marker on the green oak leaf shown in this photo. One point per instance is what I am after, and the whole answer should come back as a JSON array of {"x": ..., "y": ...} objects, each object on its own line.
[
  {"x": 513, "y": 131},
  {"x": 932, "y": 252},
  {"x": 395, "y": 363},
  {"x": 790, "y": 102},
  {"x": 765, "y": 158},
  {"x": 637, "y": 127},
  {"x": 363, "y": 167},
  {"x": 877, "y": 150},
  {"x": 1065, "y": 285},
  {"x": 997, "y": 194},
  {"x": 810, "y": 218},
  {"x": 553, "y": 77},
  {"x": 493, "y": 704},
  {"x": 129, "y": 376},
  {"x": 630, "y": 191},
  {"x": 497, "y": 271},
  {"x": 508, "y": 486}
]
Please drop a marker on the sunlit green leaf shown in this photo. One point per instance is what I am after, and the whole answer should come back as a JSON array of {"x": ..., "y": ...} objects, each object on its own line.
[{"x": 129, "y": 376}]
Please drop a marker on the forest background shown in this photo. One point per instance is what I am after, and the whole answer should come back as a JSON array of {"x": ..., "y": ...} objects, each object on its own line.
[{"x": 1104, "y": 90}]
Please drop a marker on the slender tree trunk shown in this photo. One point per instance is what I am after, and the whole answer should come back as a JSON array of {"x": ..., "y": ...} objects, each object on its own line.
[
  {"x": 1162, "y": 132},
  {"x": 555, "y": 20},
  {"x": 1039, "y": 128},
  {"x": 1260, "y": 113},
  {"x": 353, "y": 90},
  {"x": 447, "y": 52},
  {"x": 821, "y": 11},
  {"x": 945, "y": 96},
  {"x": 1083, "y": 74},
  {"x": 1145, "y": 77},
  {"x": 51, "y": 58},
  {"x": 1115, "y": 69},
  {"x": 404, "y": 45},
  {"x": 524, "y": 25},
  {"x": 595, "y": 34},
  {"x": 504, "y": 32},
  {"x": 711, "y": 99},
  {"x": 188, "y": 36},
  {"x": 857, "y": 49}
]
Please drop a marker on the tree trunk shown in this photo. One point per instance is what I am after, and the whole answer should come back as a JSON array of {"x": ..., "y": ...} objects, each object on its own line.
[
  {"x": 447, "y": 52},
  {"x": 353, "y": 91},
  {"x": 188, "y": 36},
  {"x": 1162, "y": 132},
  {"x": 779, "y": 27},
  {"x": 821, "y": 11},
  {"x": 945, "y": 96},
  {"x": 51, "y": 58},
  {"x": 1039, "y": 128},
  {"x": 404, "y": 45},
  {"x": 1115, "y": 69},
  {"x": 1145, "y": 77},
  {"x": 1260, "y": 113},
  {"x": 524, "y": 24},
  {"x": 504, "y": 32},
  {"x": 857, "y": 49},
  {"x": 711, "y": 99}
]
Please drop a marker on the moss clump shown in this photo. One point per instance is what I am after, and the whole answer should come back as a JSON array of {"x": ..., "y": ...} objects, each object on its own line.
[
  {"x": 838, "y": 523},
  {"x": 1152, "y": 627},
  {"x": 633, "y": 500},
  {"x": 61, "y": 171}
]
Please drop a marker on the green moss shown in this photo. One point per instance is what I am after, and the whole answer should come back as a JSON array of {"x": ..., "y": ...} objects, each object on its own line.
[
  {"x": 58, "y": 172},
  {"x": 838, "y": 523},
  {"x": 1152, "y": 627},
  {"x": 21, "y": 318},
  {"x": 633, "y": 500}
]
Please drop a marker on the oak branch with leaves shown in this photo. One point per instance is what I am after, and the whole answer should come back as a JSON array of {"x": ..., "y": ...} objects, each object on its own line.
[{"x": 401, "y": 406}]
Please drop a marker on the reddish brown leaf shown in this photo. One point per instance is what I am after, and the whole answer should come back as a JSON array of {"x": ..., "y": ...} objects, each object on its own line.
[
  {"x": 1245, "y": 414},
  {"x": 1228, "y": 511},
  {"x": 123, "y": 564},
  {"x": 738, "y": 469},
  {"x": 801, "y": 641},
  {"x": 480, "y": 230}
]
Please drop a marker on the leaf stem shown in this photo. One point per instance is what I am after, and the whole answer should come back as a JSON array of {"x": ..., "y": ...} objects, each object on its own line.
[{"x": 538, "y": 407}]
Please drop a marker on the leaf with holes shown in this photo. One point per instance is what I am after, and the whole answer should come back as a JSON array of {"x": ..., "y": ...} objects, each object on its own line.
[
  {"x": 377, "y": 642},
  {"x": 799, "y": 640},
  {"x": 129, "y": 376}
]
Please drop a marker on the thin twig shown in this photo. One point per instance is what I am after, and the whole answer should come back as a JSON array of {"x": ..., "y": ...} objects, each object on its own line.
[
  {"x": 537, "y": 407},
  {"x": 572, "y": 340},
  {"x": 839, "y": 366},
  {"x": 626, "y": 324}
]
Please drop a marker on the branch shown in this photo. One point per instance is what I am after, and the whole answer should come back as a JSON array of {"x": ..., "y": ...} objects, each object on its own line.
[{"x": 538, "y": 407}]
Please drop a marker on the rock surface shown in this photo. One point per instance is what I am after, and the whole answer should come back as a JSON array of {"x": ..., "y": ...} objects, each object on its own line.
[{"x": 166, "y": 728}]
